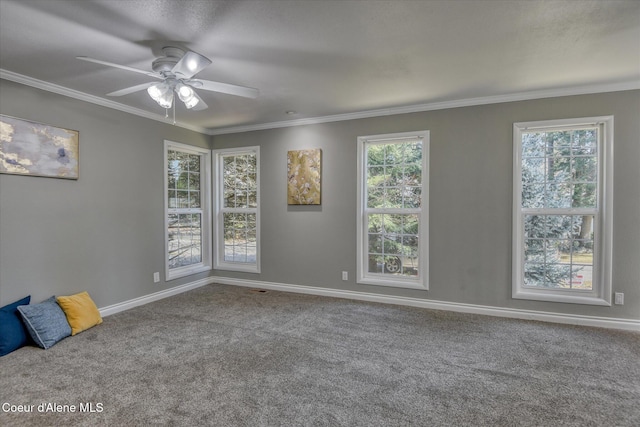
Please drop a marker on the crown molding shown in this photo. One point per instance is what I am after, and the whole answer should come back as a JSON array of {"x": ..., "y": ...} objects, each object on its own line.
[
  {"x": 71, "y": 93},
  {"x": 469, "y": 102}
]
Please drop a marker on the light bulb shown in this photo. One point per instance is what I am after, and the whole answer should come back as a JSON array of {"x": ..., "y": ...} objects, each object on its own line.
[
  {"x": 184, "y": 92},
  {"x": 192, "y": 102},
  {"x": 154, "y": 92},
  {"x": 166, "y": 99},
  {"x": 192, "y": 65}
]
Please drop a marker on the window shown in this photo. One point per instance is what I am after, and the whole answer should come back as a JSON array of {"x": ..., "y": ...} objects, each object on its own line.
[
  {"x": 393, "y": 183},
  {"x": 562, "y": 224},
  {"x": 187, "y": 208},
  {"x": 237, "y": 173}
]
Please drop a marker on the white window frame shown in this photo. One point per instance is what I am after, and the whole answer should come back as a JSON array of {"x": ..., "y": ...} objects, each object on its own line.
[
  {"x": 204, "y": 210},
  {"x": 219, "y": 262},
  {"x": 421, "y": 281},
  {"x": 600, "y": 294}
]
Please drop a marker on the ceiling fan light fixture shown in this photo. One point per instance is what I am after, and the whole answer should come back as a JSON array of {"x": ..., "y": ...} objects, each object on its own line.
[
  {"x": 184, "y": 92},
  {"x": 191, "y": 102},
  {"x": 176, "y": 71},
  {"x": 162, "y": 94},
  {"x": 157, "y": 90},
  {"x": 166, "y": 100},
  {"x": 187, "y": 95}
]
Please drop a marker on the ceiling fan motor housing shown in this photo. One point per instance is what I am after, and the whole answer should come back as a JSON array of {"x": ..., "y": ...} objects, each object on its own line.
[{"x": 166, "y": 63}]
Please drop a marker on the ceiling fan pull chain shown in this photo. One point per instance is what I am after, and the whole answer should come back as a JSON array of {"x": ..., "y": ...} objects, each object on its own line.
[{"x": 174, "y": 113}]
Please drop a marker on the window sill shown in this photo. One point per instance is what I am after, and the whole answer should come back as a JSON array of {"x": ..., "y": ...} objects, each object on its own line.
[
  {"x": 187, "y": 271},
  {"x": 395, "y": 283},
  {"x": 560, "y": 296},
  {"x": 245, "y": 268}
]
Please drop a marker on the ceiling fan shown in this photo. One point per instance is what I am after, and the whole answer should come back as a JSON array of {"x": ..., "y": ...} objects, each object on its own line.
[{"x": 176, "y": 70}]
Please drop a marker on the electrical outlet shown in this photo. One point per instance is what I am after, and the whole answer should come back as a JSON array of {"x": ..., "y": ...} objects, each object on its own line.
[
  {"x": 345, "y": 275},
  {"x": 156, "y": 277},
  {"x": 619, "y": 298}
]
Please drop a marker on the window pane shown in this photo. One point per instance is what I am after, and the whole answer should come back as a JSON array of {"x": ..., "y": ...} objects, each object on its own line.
[
  {"x": 584, "y": 168},
  {"x": 171, "y": 179},
  {"x": 252, "y": 199},
  {"x": 375, "y": 197},
  {"x": 558, "y": 251},
  {"x": 393, "y": 244},
  {"x": 413, "y": 174},
  {"x": 375, "y": 176},
  {"x": 559, "y": 173},
  {"x": 182, "y": 181},
  {"x": 185, "y": 228},
  {"x": 185, "y": 239},
  {"x": 240, "y": 237},
  {"x": 582, "y": 277},
  {"x": 375, "y": 243},
  {"x": 533, "y": 145},
  {"x": 240, "y": 187},
  {"x": 194, "y": 181},
  {"x": 392, "y": 198},
  {"x": 533, "y": 169},
  {"x": 585, "y": 141},
  {"x": 182, "y": 199},
  {"x": 392, "y": 180},
  {"x": 565, "y": 162},
  {"x": 172, "y": 198},
  {"x": 410, "y": 224},
  {"x": 393, "y": 153},
  {"x": 375, "y": 263},
  {"x": 410, "y": 245},
  {"x": 375, "y": 223},
  {"x": 584, "y": 196},
  {"x": 535, "y": 226},
  {"x": 229, "y": 197},
  {"x": 412, "y": 197},
  {"x": 228, "y": 166},
  {"x": 194, "y": 199},
  {"x": 558, "y": 195},
  {"x": 252, "y": 178},
  {"x": 375, "y": 154},
  {"x": 193, "y": 163},
  {"x": 533, "y": 195},
  {"x": 534, "y": 251}
]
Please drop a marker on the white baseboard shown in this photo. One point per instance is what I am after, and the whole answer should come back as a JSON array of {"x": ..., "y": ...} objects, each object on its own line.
[
  {"x": 572, "y": 319},
  {"x": 126, "y": 305}
]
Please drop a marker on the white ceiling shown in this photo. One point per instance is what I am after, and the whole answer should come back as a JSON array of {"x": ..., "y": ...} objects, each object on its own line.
[{"x": 324, "y": 58}]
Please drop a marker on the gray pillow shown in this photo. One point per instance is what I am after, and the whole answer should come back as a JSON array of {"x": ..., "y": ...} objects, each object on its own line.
[{"x": 45, "y": 322}]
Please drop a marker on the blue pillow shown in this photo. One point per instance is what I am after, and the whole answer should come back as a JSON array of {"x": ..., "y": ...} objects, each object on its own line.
[
  {"x": 13, "y": 335},
  {"x": 45, "y": 322}
]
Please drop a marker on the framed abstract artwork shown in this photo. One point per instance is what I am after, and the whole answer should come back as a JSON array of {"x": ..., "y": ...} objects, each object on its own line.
[
  {"x": 304, "y": 172},
  {"x": 36, "y": 149}
]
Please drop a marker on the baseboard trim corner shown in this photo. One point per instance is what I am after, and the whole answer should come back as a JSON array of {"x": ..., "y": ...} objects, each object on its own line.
[
  {"x": 146, "y": 299},
  {"x": 543, "y": 316}
]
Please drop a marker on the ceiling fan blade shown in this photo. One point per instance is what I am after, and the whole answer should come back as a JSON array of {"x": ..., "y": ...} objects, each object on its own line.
[
  {"x": 131, "y": 89},
  {"x": 190, "y": 65},
  {"x": 122, "y": 67},
  {"x": 201, "y": 105},
  {"x": 247, "y": 92}
]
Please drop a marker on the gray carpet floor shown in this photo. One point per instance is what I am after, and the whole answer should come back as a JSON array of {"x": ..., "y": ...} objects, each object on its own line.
[{"x": 229, "y": 356}]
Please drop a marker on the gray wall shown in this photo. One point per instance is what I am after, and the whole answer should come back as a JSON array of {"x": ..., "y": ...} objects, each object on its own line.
[
  {"x": 470, "y": 201},
  {"x": 103, "y": 233}
]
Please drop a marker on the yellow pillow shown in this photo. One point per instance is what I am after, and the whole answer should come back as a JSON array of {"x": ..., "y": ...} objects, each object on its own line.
[{"x": 81, "y": 312}]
